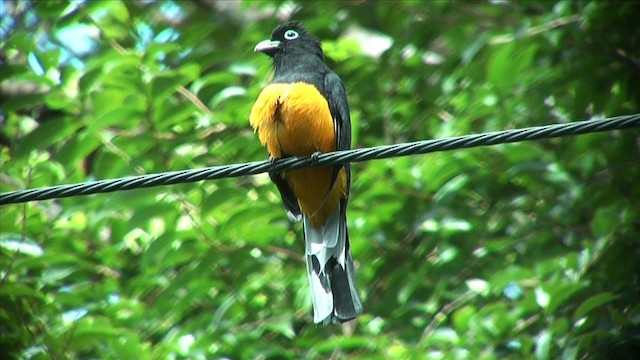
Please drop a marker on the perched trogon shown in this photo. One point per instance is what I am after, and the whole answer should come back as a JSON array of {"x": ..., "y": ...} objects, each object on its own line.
[{"x": 301, "y": 112}]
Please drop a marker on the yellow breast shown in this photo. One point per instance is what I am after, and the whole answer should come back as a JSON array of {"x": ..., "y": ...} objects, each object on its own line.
[{"x": 295, "y": 120}]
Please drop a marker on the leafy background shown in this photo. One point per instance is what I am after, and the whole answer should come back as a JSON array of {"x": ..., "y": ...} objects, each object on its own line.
[{"x": 528, "y": 250}]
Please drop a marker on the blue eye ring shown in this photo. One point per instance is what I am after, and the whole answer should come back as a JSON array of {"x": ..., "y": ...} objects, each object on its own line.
[{"x": 291, "y": 35}]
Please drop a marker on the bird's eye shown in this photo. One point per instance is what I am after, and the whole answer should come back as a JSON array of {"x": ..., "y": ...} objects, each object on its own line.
[{"x": 291, "y": 34}]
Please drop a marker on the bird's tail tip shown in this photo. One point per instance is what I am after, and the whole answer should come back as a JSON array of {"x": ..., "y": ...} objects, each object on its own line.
[
  {"x": 331, "y": 271},
  {"x": 338, "y": 300}
]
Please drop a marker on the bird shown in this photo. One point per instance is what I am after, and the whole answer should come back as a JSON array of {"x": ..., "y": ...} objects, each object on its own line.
[{"x": 304, "y": 111}]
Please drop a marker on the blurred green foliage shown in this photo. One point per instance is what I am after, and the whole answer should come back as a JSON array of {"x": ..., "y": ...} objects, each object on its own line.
[{"x": 529, "y": 250}]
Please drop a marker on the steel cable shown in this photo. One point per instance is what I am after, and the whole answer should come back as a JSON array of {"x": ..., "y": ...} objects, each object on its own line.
[{"x": 333, "y": 158}]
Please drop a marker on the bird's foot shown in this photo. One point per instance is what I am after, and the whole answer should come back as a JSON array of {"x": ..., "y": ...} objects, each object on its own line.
[{"x": 314, "y": 157}]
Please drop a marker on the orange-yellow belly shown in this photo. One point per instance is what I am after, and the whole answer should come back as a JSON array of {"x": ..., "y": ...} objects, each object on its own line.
[{"x": 294, "y": 120}]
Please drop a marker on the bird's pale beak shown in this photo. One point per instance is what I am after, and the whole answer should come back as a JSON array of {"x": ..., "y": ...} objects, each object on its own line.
[{"x": 269, "y": 47}]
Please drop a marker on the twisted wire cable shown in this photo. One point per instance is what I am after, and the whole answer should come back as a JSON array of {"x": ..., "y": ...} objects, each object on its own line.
[{"x": 325, "y": 159}]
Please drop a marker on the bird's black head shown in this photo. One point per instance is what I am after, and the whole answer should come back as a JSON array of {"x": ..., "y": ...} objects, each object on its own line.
[{"x": 290, "y": 40}]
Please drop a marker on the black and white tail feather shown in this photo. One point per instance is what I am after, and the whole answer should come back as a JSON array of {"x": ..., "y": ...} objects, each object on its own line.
[{"x": 330, "y": 269}]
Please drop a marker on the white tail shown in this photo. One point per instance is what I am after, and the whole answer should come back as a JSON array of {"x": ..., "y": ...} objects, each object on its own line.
[{"x": 330, "y": 269}]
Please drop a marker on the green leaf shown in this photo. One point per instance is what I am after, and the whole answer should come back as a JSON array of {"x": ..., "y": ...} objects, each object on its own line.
[
  {"x": 444, "y": 337},
  {"x": 58, "y": 100},
  {"x": 478, "y": 286},
  {"x": 559, "y": 294},
  {"x": 542, "y": 297},
  {"x": 12, "y": 71},
  {"x": 508, "y": 63},
  {"x": 227, "y": 93},
  {"x": 250, "y": 224},
  {"x": 51, "y": 9},
  {"x": 17, "y": 243},
  {"x": 24, "y": 102},
  {"x": 343, "y": 342},
  {"x": 167, "y": 83},
  {"x": 22, "y": 292},
  {"x": 451, "y": 187},
  {"x": 606, "y": 220},
  {"x": 512, "y": 274},
  {"x": 593, "y": 303},
  {"x": 128, "y": 346},
  {"x": 115, "y": 116},
  {"x": 159, "y": 247},
  {"x": 53, "y": 276},
  {"x": 49, "y": 59},
  {"x": 21, "y": 40},
  {"x": 91, "y": 332},
  {"x": 285, "y": 328},
  {"x": 47, "y": 134},
  {"x": 543, "y": 345},
  {"x": 463, "y": 317}
]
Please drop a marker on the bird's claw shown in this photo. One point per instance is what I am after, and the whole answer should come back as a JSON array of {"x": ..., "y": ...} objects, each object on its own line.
[
  {"x": 314, "y": 157},
  {"x": 272, "y": 162}
]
